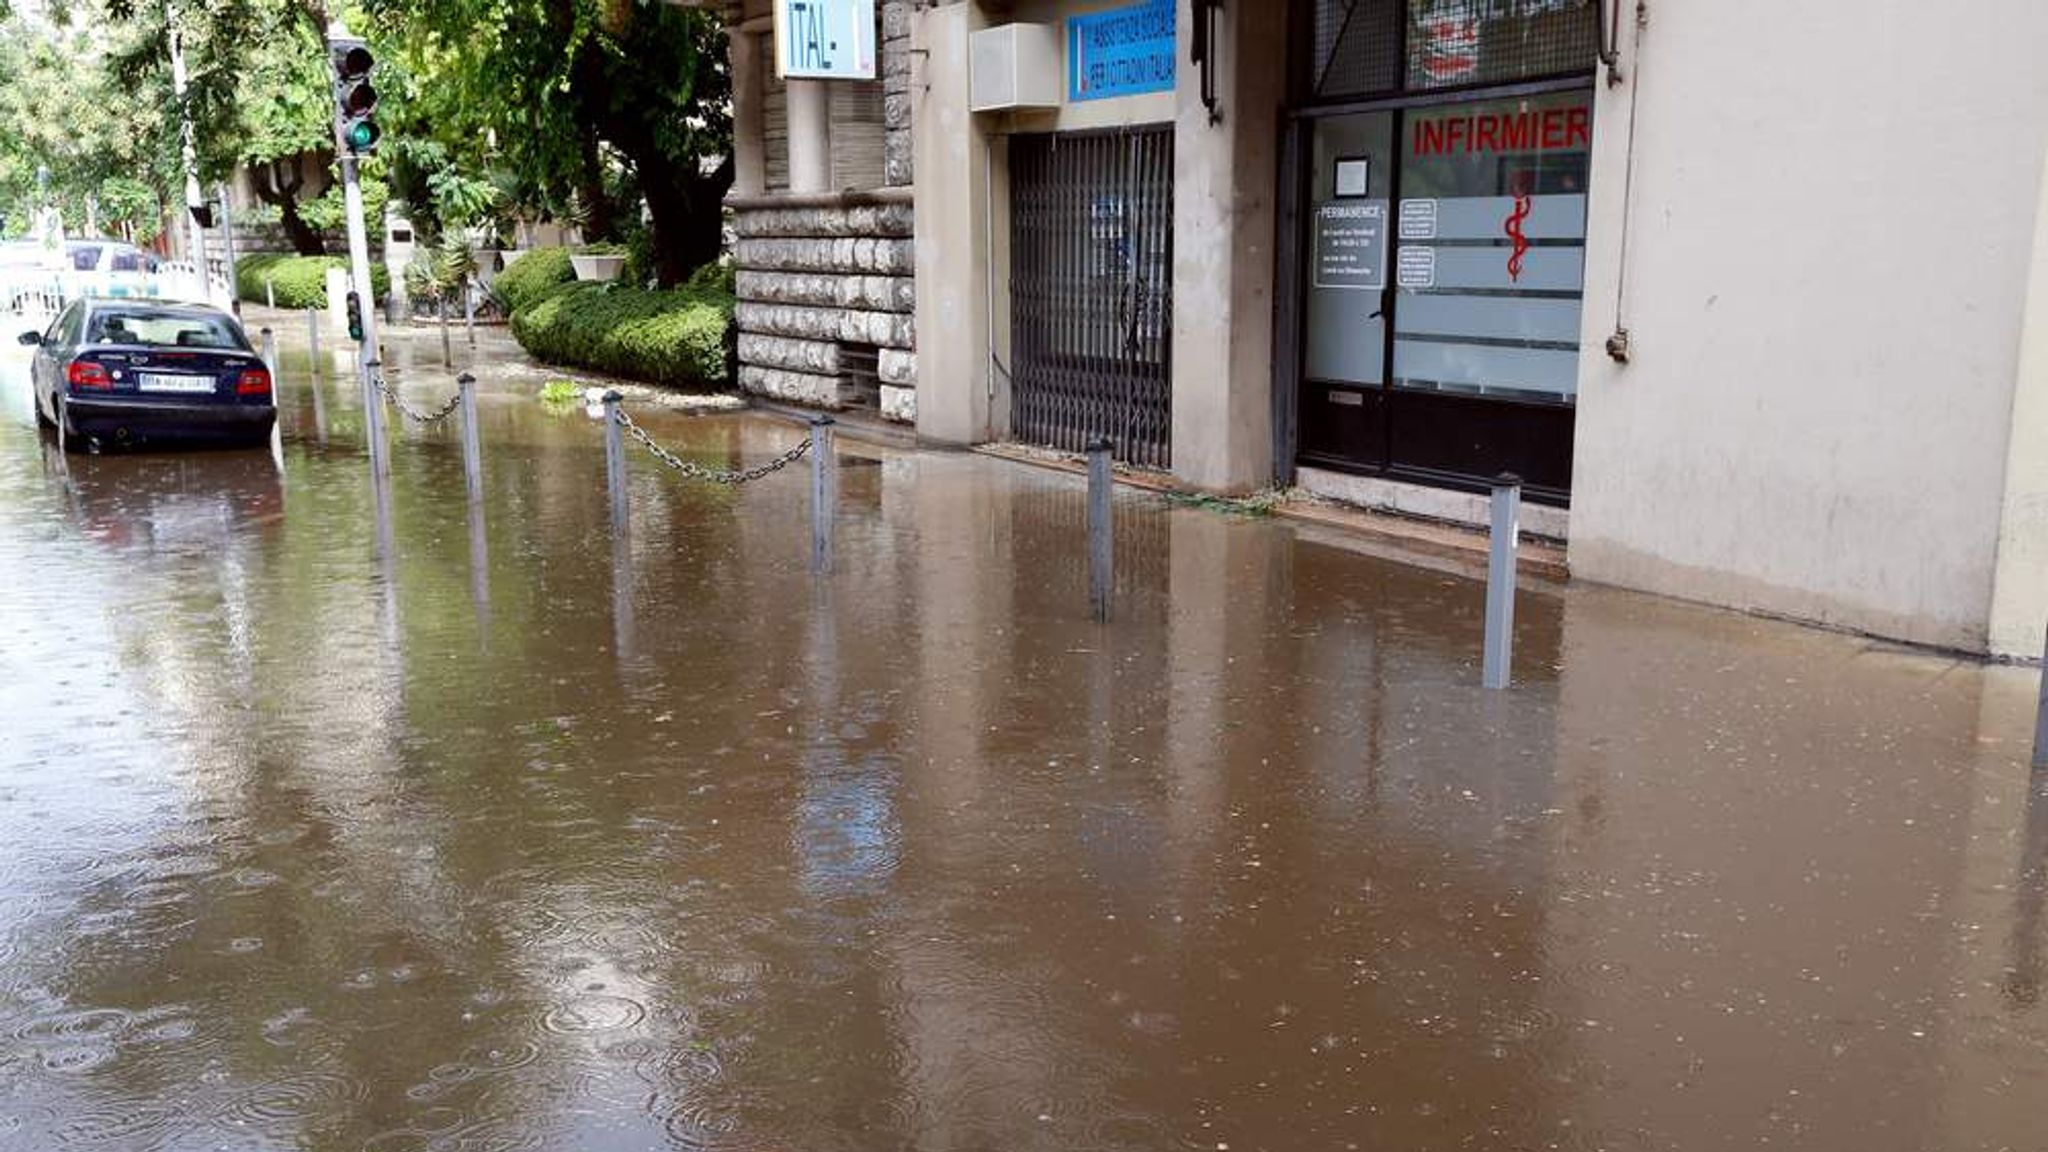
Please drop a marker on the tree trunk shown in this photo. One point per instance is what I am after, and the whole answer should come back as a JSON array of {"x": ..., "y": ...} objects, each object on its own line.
[
  {"x": 274, "y": 187},
  {"x": 597, "y": 207},
  {"x": 686, "y": 210}
]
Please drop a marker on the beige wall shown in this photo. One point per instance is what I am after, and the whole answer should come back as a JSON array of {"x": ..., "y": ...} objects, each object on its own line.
[
  {"x": 2019, "y": 601},
  {"x": 1833, "y": 222},
  {"x": 1225, "y": 183},
  {"x": 952, "y": 229}
]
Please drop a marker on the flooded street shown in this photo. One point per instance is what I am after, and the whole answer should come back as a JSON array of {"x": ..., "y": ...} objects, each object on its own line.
[{"x": 321, "y": 829}]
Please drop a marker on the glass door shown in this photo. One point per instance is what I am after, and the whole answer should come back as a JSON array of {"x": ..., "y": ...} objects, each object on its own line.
[
  {"x": 1350, "y": 288},
  {"x": 1444, "y": 264}
]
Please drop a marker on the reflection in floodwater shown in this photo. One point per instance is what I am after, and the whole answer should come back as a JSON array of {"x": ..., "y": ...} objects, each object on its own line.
[{"x": 345, "y": 814}]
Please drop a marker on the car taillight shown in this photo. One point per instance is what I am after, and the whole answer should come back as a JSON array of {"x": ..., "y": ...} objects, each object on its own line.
[
  {"x": 86, "y": 374},
  {"x": 254, "y": 382}
]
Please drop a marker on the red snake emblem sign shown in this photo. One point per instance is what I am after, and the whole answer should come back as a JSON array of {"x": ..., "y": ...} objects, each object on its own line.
[{"x": 1513, "y": 227}]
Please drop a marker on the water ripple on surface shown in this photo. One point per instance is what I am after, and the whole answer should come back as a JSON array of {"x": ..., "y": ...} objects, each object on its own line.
[
  {"x": 137, "y": 1127},
  {"x": 593, "y": 1012},
  {"x": 87, "y": 1024},
  {"x": 297, "y": 1097}
]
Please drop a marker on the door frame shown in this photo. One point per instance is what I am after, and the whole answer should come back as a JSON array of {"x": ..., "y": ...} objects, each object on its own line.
[{"x": 1290, "y": 295}]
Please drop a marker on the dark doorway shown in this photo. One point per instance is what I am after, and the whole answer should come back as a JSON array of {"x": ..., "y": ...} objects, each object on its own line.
[{"x": 1091, "y": 291}]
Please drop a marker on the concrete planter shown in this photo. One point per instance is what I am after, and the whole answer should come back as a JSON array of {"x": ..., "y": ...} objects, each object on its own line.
[{"x": 598, "y": 267}]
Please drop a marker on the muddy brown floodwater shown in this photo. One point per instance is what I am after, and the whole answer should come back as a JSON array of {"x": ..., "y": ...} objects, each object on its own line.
[{"x": 498, "y": 836}]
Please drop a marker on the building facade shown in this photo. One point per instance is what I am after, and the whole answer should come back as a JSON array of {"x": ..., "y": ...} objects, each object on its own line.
[{"x": 1754, "y": 300}]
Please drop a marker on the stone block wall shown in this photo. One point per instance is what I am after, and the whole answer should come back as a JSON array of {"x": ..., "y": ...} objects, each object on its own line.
[{"x": 821, "y": 280}]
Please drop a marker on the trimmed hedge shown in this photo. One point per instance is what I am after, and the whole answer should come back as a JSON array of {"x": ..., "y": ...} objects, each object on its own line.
[
  {"x": 533, "y": 276},
  {"x": 298, "y": 281},
  {"x": 673, "y": 338}
]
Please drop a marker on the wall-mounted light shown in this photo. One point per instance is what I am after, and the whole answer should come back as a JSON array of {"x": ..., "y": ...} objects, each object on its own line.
[{"x": 1202, "y": 51}]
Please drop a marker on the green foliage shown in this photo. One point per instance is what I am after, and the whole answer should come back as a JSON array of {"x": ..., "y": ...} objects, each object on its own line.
[
  {"x": 672, "y": 338},
  {"x": 532, "y": 276},
  {"x": 571, "y": 96},
  {"x": 299, "y": 281},
  {"x": 329, "y": 211},
  {"x": 716, "y": 276},
  {"x": 560, "y": 392}
]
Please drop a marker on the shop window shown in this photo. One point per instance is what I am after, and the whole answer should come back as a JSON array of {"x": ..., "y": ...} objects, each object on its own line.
[
  {"x": 1491, "y": 256},
  {"x": 1378, "y": 47}
]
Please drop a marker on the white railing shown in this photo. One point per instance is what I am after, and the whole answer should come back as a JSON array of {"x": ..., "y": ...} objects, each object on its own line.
[{"x": 38, "y": 294}]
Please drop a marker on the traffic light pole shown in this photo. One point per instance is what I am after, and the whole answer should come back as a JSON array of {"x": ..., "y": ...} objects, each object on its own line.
[{"x": 366, "y": 293}]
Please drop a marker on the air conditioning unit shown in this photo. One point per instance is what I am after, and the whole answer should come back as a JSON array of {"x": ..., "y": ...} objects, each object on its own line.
[{"x": 1014, "y": 66}]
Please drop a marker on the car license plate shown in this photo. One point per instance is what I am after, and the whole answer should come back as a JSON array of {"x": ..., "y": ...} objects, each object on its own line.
[{"x": 164, "y": 382}]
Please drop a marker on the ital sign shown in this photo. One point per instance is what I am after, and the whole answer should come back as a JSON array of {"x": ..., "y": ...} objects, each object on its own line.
[{"x": 825, "y": 39}]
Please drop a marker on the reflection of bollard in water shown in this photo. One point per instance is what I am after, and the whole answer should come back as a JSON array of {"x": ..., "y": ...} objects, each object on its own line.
[
  {"x": 469, "y": 310},
  {"x": 1500, "y": 580},
  {"x": 472, "y": 441},
  {"x": 447, "y": 354},
  {"x": 824, "y": 492},
  {"x": 615, "y": 457},
  {"x": 313, "y": 340},
  {"x": 1101, "y": 531},
  {"x": 269, "y": 345}
]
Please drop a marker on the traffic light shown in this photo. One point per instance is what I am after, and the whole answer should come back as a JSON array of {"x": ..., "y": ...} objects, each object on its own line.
[
  {"x": 355, "y": 317},
  {"x": 355, "y": 101}
]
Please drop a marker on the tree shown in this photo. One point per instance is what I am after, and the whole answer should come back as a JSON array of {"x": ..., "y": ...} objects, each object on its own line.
[
  {"x": 572, "y": 91},
  {"x": 258, "y": 94}
]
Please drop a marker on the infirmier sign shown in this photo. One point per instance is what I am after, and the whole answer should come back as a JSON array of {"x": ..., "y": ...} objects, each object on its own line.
[{"x": 1538, "y": 130}]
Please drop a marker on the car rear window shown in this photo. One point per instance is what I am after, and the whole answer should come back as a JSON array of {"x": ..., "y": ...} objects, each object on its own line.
[
  {"x": 85, "y": 257},
  {"x": 132, "y": 260},
  {"x": 159, "y": 330}
]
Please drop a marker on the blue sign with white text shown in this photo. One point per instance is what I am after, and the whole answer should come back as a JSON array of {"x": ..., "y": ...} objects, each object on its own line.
[{"x": 1121, "y": 52}]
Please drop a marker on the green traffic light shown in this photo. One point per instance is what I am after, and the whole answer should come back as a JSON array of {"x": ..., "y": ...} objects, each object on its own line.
[{"x": 361, "y": 135}]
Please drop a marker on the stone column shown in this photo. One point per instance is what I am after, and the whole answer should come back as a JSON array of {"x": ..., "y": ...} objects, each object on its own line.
[
  {"x": 1225, "y": 181},
  {"x": 953, "y": 394},
  {"x": 749, "y": 146},
  {"x": 810, "y": 136}
]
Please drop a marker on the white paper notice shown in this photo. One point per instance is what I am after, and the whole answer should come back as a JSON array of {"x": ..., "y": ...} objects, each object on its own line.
[
  {"x": 1415, "y": 267},
  {"x": 1418, "y": 219}
]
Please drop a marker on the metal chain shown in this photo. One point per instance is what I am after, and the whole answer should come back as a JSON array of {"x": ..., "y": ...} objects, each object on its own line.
[
  {"x": 434, "y": 417},
  {"x": 715, "y": 476}
]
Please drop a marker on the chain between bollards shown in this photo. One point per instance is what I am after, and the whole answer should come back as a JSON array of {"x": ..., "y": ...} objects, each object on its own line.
[
  {"x": 1500, "y": 581},
  {"x": 824, "y": 492},
  {"x": 1101, "y": 531},
  {"x": 472, "y": 441}
]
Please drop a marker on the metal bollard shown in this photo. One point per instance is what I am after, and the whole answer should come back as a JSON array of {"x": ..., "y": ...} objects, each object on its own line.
[
  {"x": 2041, "y": 717},
  {"x": 447, "y": 356},
  {"x": 373, "y": 419},
  {"x": 1500, "y": 581},
  {"x": 824, "y": 492},
  {"x": 313, "y": 339},
  {"x": 1101, "y": 531},
  {"x": 269, "y": 292},
  {"x": 469, "y": 310},
  {"x": 615, "y": 457},
  {"x": 472, "y": 441},
  {"x": 269, "y": 346}
]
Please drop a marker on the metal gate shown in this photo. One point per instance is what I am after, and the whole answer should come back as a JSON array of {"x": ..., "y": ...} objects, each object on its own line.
[{"x": 1091, "y": 291}]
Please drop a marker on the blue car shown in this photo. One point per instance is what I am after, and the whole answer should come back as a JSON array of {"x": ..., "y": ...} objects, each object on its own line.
[{"x": 123, "y": 372}]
